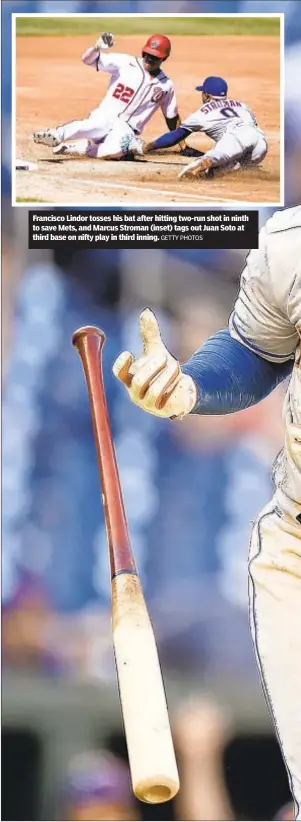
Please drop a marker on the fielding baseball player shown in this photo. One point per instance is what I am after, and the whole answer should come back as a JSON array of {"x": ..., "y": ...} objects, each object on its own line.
[
  {"x": 234, "y": 369},
  {"x": 230, "y": 123},
  {"x": 137, "y": 88}
]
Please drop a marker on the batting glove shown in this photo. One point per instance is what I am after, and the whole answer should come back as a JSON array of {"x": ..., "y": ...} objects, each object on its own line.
[
  {"x": 155, "y": 381},
  {"x": 105, "y": 41}
]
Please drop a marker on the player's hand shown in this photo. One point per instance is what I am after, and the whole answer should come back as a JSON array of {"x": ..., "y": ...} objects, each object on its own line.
[
  {"x": 155, "y": 381},
  {"x": 189, "y": 151},
  {"x": 105, "y": 41},
  {"x": 147, "y": 147}
]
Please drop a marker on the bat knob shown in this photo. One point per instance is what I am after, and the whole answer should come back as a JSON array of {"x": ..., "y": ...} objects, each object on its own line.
[{"x": 88, "y": 332}]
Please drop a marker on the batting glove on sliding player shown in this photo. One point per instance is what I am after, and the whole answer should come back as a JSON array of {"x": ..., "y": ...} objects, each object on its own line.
[
  {"x": 155, "y": 381},
  {"x": 105, "y": 41}
]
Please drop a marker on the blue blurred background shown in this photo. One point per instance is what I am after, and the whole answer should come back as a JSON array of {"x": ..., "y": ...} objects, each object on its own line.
[{"x": 191, "y": 492}]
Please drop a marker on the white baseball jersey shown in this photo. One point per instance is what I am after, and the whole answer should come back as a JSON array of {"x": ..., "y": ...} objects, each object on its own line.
[
  {"x": 267, "y": 319},
  {"x": 218, "y": 116},
  {"x": 133, "y": 94}
]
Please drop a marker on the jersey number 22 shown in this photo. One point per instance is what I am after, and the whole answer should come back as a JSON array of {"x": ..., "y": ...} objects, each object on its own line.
[{"x": 123, "y": 93}]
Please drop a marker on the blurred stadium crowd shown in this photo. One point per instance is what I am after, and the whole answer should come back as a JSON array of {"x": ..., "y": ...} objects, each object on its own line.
[{"x": 191, "y": 492}]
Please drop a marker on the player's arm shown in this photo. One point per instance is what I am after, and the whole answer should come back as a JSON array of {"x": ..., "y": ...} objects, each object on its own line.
[
  {"x": 170, "y": 138},
  {"x": 230, "y": 377},
  {"x": 233, "y": 370},
  {"x": 96, "y": 56},
  {"x": 221, "y": 377},
  {"x": 179, "y": 133},
  {"x": 173, "y": 122},
  {"x": 248, "y": 360},
  {"x": 169, "y": 108}
]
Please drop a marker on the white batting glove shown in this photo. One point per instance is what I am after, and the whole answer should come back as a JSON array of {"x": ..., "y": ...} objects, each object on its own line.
[
  {"x": 105, "y": 41},
  {"x": 155, "y": 381}
]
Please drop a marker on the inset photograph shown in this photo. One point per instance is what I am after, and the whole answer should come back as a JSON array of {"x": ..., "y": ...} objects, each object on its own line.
[{"x": 130, "y": 110}]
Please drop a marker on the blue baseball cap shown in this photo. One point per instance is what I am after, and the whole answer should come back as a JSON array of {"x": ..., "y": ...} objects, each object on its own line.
[{"x": 215, "y": 86}]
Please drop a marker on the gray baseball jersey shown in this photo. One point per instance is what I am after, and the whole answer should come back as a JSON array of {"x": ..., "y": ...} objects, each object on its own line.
[
  {"x": 267, "y": 319},
  {"x": 218, "y": 116}
]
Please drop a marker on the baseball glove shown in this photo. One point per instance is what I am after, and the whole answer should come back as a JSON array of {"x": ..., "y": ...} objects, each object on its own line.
[
  {"x": 105, "y": 41},
  {"x": 189, "y": 151}
]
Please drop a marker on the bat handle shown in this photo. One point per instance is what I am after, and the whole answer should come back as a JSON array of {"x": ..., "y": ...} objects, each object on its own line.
[{"x": 89, "y": 341}]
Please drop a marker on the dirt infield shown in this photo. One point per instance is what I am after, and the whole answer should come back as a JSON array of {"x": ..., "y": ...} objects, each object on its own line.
[{"x": 54, "y": 86}]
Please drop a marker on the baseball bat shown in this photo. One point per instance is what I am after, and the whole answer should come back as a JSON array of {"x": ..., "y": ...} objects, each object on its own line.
[{"x": 153, "y": 766}]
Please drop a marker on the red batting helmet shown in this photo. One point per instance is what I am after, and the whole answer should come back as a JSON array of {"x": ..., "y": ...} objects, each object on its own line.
[{"x": 158, "y": 45}]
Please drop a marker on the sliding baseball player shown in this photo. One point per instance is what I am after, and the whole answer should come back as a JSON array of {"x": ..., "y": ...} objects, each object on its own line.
[
  {"x": 234, "y": 369},
  {"x": 137, "y": 88},
  {"x": 238, "y": 141}
]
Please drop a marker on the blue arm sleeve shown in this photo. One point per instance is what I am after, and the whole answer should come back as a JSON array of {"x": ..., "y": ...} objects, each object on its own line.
[
  {"x": 171, "y": 138},
  {"x": 229, "y": 377}
]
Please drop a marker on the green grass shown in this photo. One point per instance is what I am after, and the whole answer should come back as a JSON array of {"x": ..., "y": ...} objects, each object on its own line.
[
  {"x": 46, "y": 26},
  {"x": 30, "y": 200}
]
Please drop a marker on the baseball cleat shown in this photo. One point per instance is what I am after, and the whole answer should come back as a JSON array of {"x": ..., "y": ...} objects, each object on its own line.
[
  {"x": 196, "y": 168},
  {"x": 214, "y": 171},
  {"x": 48, "y": 137}
]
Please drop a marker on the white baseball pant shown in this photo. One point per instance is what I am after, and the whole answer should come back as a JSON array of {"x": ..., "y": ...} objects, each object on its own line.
[
  {"x": 239, "y": 144},
  {"x": 107, "y": 135},
  {"x": 275, "y": 617}
]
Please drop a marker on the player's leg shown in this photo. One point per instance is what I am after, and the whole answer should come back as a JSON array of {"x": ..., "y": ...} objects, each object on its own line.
[
  {"x": 93, "y": 128},
  {"x": 225, "y": 154},
  {"x": 275, "y": 596},
  {"x": 117, "y": 143},
  {"x": 113, "y": 146},
  {"x": 257, "y": 153},
  {"x": 80, "y": 148}
]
